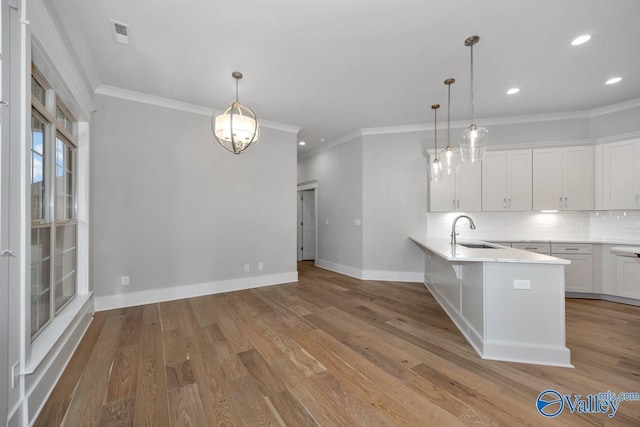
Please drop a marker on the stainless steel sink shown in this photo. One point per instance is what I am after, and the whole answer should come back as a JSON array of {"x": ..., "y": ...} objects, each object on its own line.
[{"x": 477, "y": 246}]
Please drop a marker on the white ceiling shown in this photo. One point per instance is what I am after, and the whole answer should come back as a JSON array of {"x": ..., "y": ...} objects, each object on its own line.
[{"x": 335, "y": 66}]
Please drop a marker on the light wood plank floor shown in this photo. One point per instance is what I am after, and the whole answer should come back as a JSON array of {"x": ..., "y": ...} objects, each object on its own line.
[{"x": 332, "y": 351}]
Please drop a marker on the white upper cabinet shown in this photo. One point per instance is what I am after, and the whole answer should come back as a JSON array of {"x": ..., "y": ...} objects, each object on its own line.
[
  {"x": 621, "y": 175},
  {"x": 563, "y": 178},
  {"x": 506, "y": 181},
  {"x": 459, "y": 192}
]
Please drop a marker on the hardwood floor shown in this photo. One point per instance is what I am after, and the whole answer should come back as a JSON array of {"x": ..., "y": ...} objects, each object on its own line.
[{"x": 332, "y": 351}]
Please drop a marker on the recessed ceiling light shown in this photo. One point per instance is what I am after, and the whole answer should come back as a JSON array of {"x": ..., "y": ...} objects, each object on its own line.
[
  {"x": 613, "y": 80},
  {"x": 302, "y": 143},
  {"x": 513, "y": 90},
  {"x": 582, "y": 39}
]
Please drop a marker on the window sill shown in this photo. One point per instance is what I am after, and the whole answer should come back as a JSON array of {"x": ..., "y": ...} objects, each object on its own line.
[{"x": 51, "y": 335}]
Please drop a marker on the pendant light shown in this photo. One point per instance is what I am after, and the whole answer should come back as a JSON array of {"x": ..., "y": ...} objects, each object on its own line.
[
  {"x": 236, "y": 129},
  {"x": 450, "y": 158},
  {"x": 435, "y": 166},
  {"x": 473, "y": 143}
]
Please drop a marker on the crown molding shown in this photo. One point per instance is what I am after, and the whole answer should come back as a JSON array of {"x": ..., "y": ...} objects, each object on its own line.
[
  {"x": 159, "y": 101},
  {"x": 616, "y": 138},
  {"x": 614, "y": 108}
]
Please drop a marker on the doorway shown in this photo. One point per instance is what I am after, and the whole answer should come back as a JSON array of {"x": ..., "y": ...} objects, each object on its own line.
[{"x": 307, "y": 224}]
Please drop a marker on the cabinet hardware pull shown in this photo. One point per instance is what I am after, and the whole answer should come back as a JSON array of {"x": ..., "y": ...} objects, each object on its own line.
[
  {"x": 509, "y": 203},
  {"x": 637, "y": 199},
  {"x": 530, "y": 249},
  {"x": 504, "y": 204},
  {"x": 560, "y": 201},
  {"x": 566, "y": 204},
  {"x": 571, "y": 249},
  {"x": 458, "y": 203}
]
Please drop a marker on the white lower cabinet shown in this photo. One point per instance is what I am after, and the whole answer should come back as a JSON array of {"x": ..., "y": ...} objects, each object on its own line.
[
  {"x": 578, "y": 276},
  {"x": 628, "y": 277}
]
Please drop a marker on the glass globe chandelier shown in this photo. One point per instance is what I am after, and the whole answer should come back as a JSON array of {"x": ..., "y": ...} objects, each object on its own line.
[
  {"x": 435, "y": 166},
  {"x": 450, "y": 157},
  {"x": 473, "y": 143},
  {"x": 236, "y": 129}
]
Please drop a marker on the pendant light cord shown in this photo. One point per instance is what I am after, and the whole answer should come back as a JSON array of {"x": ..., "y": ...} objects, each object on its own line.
[
  {"x": 472, "y": 101},
  {"x": 449, "y": 118},
  {"x": 435, "y": 128},
  {"x": 237, "y": 91}
]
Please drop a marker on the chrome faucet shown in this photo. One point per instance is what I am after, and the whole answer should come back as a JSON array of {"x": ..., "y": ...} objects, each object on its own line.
[{"x": 453, "y": 228}]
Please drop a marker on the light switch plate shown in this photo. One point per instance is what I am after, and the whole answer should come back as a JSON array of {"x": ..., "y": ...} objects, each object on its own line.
[{"x": 522, "y": 284}]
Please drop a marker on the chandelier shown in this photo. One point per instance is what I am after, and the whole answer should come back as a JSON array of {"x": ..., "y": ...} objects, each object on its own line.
[{"x": 236, "y": 129}]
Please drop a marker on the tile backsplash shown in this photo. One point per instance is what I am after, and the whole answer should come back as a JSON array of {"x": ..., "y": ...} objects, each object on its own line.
[{"x": 505, "y": 226}]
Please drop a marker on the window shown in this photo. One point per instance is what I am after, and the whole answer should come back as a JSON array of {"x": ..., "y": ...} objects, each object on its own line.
[{"x": 53, "y": 205}]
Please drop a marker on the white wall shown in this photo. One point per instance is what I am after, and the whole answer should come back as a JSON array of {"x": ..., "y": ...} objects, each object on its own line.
[
  {"x": 339, "y": 174},
  {"x": 179, "y": 214},
  {"x": 394, "y": 201}
]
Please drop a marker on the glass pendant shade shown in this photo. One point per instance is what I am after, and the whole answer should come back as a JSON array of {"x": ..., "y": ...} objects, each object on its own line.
[
  {"x": 236, "y": 129},
  {"x": 473, "y": 144},
  {"x": 450, "y": 159}
]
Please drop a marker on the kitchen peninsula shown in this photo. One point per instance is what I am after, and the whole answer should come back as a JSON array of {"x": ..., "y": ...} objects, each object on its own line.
[{"x": 508, "y": 303}]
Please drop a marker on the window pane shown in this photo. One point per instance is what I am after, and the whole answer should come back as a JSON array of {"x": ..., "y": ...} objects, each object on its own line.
[
  {"x": 66, "y": 260},
  {"x": 64, "y": 181},
  {"x": 40, "y": 277},
  {"x": 37, "y": 90},
  {"x": 64, "y": 120},
  {"x": 38, "y": 169}
]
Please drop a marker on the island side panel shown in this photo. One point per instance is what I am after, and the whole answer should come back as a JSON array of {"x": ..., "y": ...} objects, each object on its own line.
[
  {"x": 472, "y": 303},
  {"x": 525, "y": 325}
]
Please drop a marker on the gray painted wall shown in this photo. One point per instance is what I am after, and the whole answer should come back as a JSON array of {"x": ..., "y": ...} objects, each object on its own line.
[
  {"x": 339, "y": 174},
  {"x": 171, "y": 207},
  {"x": 394, "y": 202}
]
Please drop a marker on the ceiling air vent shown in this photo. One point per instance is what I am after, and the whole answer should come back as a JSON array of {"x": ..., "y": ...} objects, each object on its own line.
[{"x": 120, "y": 32}]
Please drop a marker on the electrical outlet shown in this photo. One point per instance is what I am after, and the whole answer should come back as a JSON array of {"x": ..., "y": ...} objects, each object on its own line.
[
  {"x": 522, "y": 284},
  {"x": 247, "y": 267},
  {"x": 124, "y": 281},
  {"x": 260, "y": 266}
]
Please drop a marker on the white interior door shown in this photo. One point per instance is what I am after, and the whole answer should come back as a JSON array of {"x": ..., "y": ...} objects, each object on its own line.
[{"x": 308, "y": 225}]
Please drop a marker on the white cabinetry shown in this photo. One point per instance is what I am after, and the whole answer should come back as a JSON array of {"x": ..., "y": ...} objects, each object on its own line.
[
  {"x": 563, "y": 178},
  {"x": 621, "y": 175},
  {"x": 459, "y": 192},
  {"x": 540, "y": 248},
  {"x": 506, "y": 181},
  {"x": 578, "y": 274},
  {"x": 628, "y": 277}
]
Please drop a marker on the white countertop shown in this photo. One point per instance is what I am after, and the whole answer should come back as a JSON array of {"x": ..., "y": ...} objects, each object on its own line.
[{"x": 442, "y": 248}]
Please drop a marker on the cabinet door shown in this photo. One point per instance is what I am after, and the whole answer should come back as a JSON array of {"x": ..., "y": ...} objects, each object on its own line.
[
  {"x": 442, "y": 194},
  {"x": 577, "y": 178},
  {"x": 519, "y": 180},
  {"x": 494, "y": 181},
  {"x": 636, "y": 174},
  {"x": 547, "y": 179},
  {"x": 469, "y": 187},
  {"x": 578, "y": 276},
  {"x": 628, "y": 277},
  {"x": 620, "y": 186}
]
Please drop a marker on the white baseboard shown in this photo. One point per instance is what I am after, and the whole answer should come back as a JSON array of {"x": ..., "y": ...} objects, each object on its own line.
[
  {"x": 339, "y": 268},
  {"x": 381, "y": 275},
  {"x": 130, "y": 299},
  {"x": 393, "y": 276}
]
